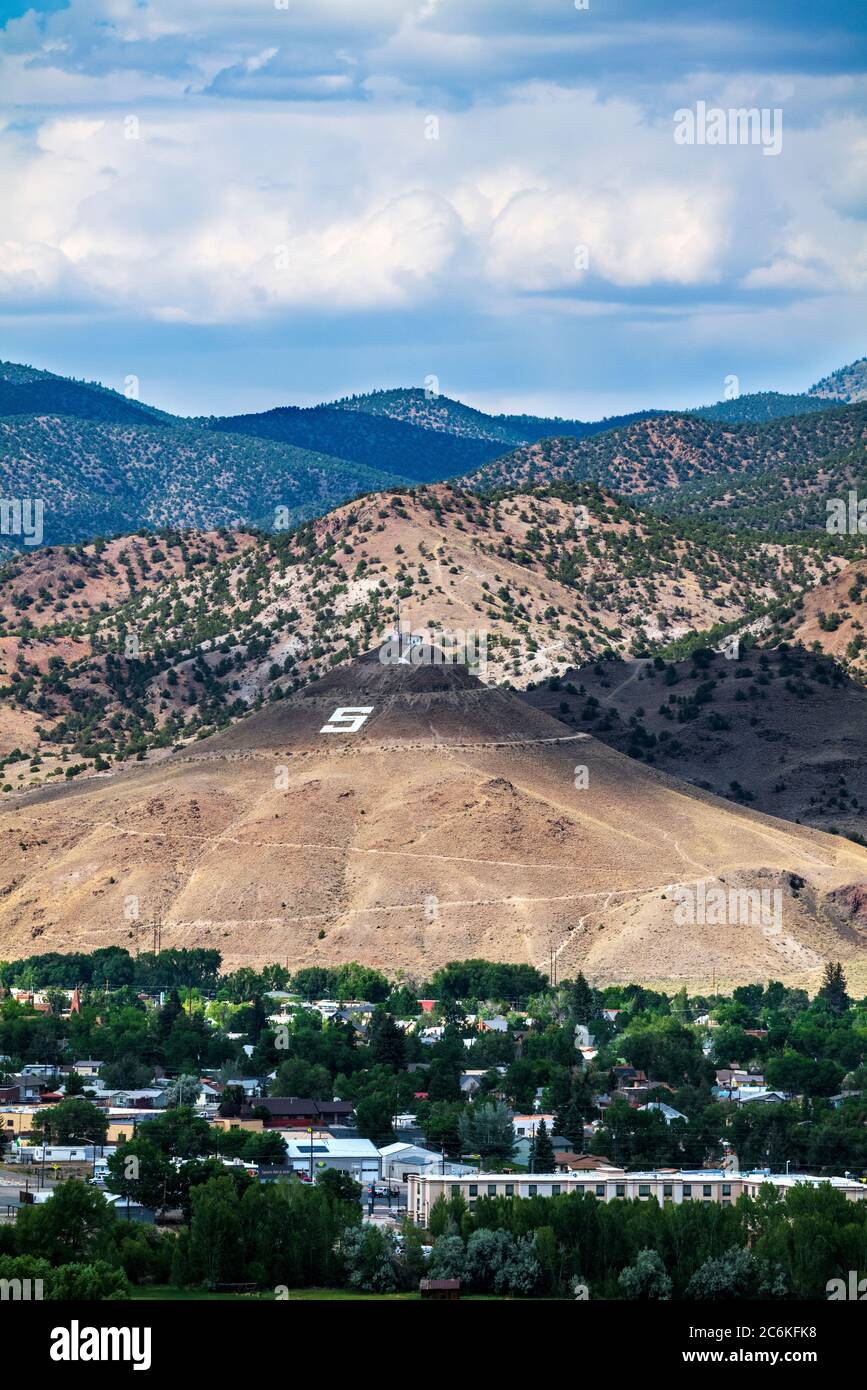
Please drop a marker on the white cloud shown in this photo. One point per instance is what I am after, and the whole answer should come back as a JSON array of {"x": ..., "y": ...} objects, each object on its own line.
[{"x": 261, "y": 129}]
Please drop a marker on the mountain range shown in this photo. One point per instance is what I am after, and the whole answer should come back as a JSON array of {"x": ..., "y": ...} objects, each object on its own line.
[
  {"x": 212, "y": 590},
  {"x": 104, "y": 464}
]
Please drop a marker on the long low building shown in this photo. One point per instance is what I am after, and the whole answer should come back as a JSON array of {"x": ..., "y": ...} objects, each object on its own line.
[{"x": 607, "y": 1185}]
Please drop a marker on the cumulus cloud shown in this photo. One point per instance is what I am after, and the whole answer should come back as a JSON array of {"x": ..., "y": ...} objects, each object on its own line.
[{"x": 232, "y": 163}]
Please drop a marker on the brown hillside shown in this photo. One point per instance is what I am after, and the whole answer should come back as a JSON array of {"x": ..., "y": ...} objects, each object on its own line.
[{"x": 449, "y": 825}]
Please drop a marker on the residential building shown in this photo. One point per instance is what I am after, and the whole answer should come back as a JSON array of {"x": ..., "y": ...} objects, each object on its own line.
[
  {"x": 303, "y": 1112},
  {"x": 667, "y": 1112},
  {"x": 751, "y": 1095},
  {"x": 88, "y": 1067}
]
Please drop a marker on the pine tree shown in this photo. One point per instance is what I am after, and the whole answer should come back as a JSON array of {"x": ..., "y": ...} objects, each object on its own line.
[
  {"x": 582, "y": 1000},
  {"x": 833, "y": 988},
  {"x": 543, "y": 1150},
  {"x": 570, "y": 1121}
]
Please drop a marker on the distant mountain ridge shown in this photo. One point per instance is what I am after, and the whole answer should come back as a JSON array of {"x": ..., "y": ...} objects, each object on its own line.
[
  {"x": 670, "y": 455},
  {"x": 105, "y": 463},
  {"x": 763, "y": 405},
  {"x": 380, "y": 442},
  {"x": 847, "y": 383},
  {"x": 435, "y": 412}
]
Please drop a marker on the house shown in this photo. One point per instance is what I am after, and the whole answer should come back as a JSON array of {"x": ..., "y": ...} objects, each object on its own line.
[
  {"x": 39, "y": 1071},
  {"x": 730, "y": 1078},
  {"x": 252, "y": 1086},
  {"x": 667, "y": 1112},
  {"x": 29, "y": 1088},
  {"x": 626, "y": 1076},
  {"x": 88, "y": 1067},
  {"x": 122, "y": 1125},
  {"x": 497, "y": 1024},
  {"x": 583, "y": 1163},
  {"x": 293, "y": 1112},
  {"x": 470, "y": 1080},
  {"x": 228, "y": 1122},
  {"x": 841, "y": 1099},
  {"x": 752, "y": 1095}
]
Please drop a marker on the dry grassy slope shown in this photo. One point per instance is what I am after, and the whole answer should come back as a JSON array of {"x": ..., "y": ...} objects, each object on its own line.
[
  {"x": 58, "y": 603},
  {"x": 449, "y": 825},
  {"x": 69, "y": 584},
  {"x": 630, "y": 576}
]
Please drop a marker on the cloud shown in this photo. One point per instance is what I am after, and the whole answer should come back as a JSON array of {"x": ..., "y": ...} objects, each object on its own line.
[
  {"x": 206, "y": 215},
  {"x": 181, "y": 164}
]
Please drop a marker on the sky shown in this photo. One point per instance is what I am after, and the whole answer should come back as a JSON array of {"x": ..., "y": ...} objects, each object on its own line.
[{"x": 249, "y": 203}]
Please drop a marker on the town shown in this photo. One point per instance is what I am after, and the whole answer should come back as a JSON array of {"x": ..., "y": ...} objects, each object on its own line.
[{"x": 482, "y": 1133}]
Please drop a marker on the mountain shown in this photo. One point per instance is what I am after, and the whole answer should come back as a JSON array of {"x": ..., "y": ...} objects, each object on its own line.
[
  {"x": 436, "y": 413},
  {"x": 447, "y": 820},
  {"x": 378, "y": 442},
  {"x": 781, "y": 730},
  {"x": 29, "y": 391},
  {"x": 777, "y": 499},
  {"x": 668, "y": 452},
  {"x": 223, "y": 621},
  {"x": 845, "y": 384},
  {"x": 762, "y": 405},
  {"x": 105, "y": 464},
  {"x": 100, "y": 478},
  {"x": 832, "y": 619}
]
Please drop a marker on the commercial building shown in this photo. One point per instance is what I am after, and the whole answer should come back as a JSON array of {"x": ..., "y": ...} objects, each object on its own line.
[
  {"x": 611, "y": 1184},
  {"x": 308, "y": 1154}
]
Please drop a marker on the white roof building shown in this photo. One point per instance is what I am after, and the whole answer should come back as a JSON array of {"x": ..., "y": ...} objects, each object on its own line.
[{"x": 358, "y": 1157}]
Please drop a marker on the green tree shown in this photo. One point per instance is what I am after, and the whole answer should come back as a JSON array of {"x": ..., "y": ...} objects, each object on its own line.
[
  {"x": 646, "y": 1278},
  {"x": 833, "y": 988},
  {"x": 542, "y": 1152},
  {"x": 184, "y": 1090},
  {"x": 73, "y": 1121},
  {"x": 737, "y": 1274},
  {"x": 370, "y": 1259},
  {"x": 487, "y": 1129},
  {"x": 75, "y": 1225},
  {"x": 141, "y": 1171}
]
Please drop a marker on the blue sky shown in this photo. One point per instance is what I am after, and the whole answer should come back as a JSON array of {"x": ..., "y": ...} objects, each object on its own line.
[{"x": 245, "y": 205}]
